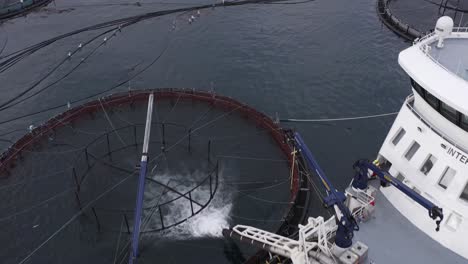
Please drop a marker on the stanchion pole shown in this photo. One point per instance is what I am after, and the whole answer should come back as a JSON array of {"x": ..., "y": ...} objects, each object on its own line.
[{"x": 141, "y": 183}]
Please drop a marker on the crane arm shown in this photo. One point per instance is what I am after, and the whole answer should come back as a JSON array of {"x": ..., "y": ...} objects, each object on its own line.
[
  {"x": 345, "y": 220},
  {"x": 361, "y": 177}
]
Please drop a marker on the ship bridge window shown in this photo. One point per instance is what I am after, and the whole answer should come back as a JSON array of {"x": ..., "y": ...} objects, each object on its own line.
[
  {"x": 444, "y": 109},
  {"x": 447, "y": 177},
  {"x": 448, "y": 112},
  {"x": 398, "y": 136},
  {"x": 432, "y": 100},
  {"x": 412, "y": 150},
  {"x": 418, "y": 88},
  {"x": 464, "y": 194},
  {"x": 464, "y": 122},
  {"x": 428, "y": 164}
]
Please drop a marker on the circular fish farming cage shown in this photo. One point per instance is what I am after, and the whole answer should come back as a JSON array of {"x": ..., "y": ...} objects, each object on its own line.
[
  {"x": 68, "y": 187},
  {"x": 416, "y": 18},
  {"x": 12, "y": 8}
]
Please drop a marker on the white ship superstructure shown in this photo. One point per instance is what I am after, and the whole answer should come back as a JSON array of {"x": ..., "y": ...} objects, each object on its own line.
[
  {"x": 416, "y": 206},
  {"x": 427, "y": 146}
]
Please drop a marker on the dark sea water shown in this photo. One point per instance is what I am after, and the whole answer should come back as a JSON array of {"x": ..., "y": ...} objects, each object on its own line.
[{"x": 321, "y": 59}]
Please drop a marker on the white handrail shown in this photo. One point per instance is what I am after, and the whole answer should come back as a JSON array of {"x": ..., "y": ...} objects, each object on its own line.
[{"x": 422, "y": 46}]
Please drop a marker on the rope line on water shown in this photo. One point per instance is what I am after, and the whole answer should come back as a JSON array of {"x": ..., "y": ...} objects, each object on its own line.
[
  {"x": 111, "y": 124},
  {"x": 73, "y": 218},
  {"x": 37, "y": 205},
  {"x": 339, "y": 119}
]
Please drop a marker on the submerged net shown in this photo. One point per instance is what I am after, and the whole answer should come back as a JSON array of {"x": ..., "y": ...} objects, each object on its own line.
[{"x": 68, "y": 187}]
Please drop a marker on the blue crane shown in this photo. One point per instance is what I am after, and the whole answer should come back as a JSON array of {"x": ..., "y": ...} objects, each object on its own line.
[
  {"x": 346, "y": 222},
  {"x": 361, "y": 178}
]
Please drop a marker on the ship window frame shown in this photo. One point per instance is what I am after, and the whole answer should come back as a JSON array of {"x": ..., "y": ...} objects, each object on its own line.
[
  {"x": 418, "y": 88},
  {"x": 398, "y": 136},
  {"x": 446, "y": 170},
  {"x": 426, "y": 163},
  {"x": 409, "y": 149},
  {"x": 453, "y": 221},
  {"x": 449, "y": 112},
  {"x": 464, "y": 191},
  {"x": 464, "y": 122},
  {"x": 433, "y": 101},
  {"x": 437, "y": 105},
  {"x": 416, "y": 190},
  {"x": 400, "y": 177}
]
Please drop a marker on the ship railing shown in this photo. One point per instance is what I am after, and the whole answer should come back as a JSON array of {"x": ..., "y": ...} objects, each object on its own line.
[
  {"x": 432, "y": 33},
  {"x": 366, "y": 201},
  {"x": 425, "y": 48},
  {"x": 409, "y": 100}
]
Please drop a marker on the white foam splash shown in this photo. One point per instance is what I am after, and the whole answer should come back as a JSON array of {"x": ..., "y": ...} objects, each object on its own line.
[{"x": 210, "y": 222}]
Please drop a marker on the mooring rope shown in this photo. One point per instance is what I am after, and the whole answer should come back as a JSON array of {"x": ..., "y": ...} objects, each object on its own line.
[
  {"x": 73, "y": 218},
  {"x": 338, "y": 119},
  {"x": 38, "y": 204},
  {"x": 118, "y": 241},
  {"x": 111, "y": 124}
]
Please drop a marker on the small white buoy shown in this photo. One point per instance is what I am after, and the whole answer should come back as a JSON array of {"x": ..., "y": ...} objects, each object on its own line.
[
  {"x": 34, "y": 226},
  {"x": 31, "y": 128},
  {"x": 68, "y": 105},
  {"x": 69, "y": 54},
  {"x": 193, "y": 17},
  {"x": 105, "y": 39},
  {"x": 80, "y": 45},
  {"x": 198, "y": 12},
  {"x": 190, "y": 20}
]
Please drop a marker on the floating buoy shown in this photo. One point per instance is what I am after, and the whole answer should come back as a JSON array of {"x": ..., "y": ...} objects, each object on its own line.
[
  {"x": 105, "y": 39},
  {"x": 80, "y": 45},
  {"x": 69, "y": 54}
]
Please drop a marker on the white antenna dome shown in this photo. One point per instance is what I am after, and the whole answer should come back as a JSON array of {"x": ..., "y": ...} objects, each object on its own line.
[{"x": 443, "y": 28}]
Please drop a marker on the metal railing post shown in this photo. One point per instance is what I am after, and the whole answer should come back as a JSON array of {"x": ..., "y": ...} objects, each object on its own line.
[
  {"x": 126, "y": 223},
  {"x": 86, "y": 155},
  {"x": 97, "y": 219},
  {"x": 76, "y": 180},
  {"x": 189, "y": 140},
  {"x": 191, "y": 203},
  {"x": 108, "y": 147},
  {"x": 161, "y": 217},
  {"x": 209, "y": 149}
]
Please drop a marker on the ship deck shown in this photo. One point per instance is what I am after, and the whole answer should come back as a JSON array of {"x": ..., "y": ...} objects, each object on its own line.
[
  {"x": 392, "y": 238},
  {"x": 453, "y": 56}
]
